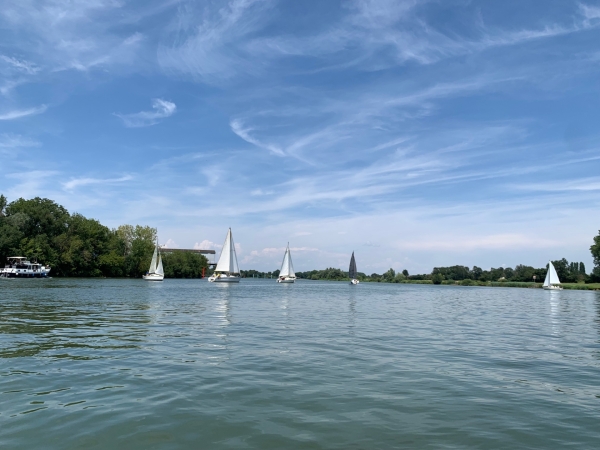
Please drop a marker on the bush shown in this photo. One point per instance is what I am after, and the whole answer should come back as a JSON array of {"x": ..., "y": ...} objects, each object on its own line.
[{"x": 437, "y": 278}]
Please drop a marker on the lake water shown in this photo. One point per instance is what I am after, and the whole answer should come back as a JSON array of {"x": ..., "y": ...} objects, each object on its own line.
[{"x": 188, "y": 364}]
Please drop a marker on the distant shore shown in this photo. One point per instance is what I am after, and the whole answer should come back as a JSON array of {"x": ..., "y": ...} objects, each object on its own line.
[{"x": 468, "y": 282}]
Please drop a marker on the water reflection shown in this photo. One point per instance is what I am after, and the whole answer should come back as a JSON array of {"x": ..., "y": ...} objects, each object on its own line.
[
  {"x": 352, "y": 310},
  {"x": 555, "y": 312}
]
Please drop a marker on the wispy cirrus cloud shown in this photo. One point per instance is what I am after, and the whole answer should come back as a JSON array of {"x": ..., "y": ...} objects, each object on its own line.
[
  {"x": 20, "y": 113},
  {"x": 209, "y": 48},
  {"x": 20, "y": 64},
  {"x": 238, "y": 128},
  {"x": 161, "y": 109},
  {"x": 15, "y": 141},
  {"x": 79, "y": 182}
]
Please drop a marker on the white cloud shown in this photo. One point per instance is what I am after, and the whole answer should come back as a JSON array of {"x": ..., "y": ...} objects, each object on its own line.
[
  {"x": 15, "y": 141},
  {"x": 590, "y": 12},
  {"x": 161, "y": 110},
  {"x": 205, "y": 43},
  {"x": 238, "y": 128},
  {"x": 19, "y": 113},
  {"x": 489, "y": 242},
  {"x": 78, "y": 182},
  {"x": 21, "y": 65},
  {"x": 170, "y": 244},
  {"x": 584, "y": 184},
  {"x": 207, "y": 245}
]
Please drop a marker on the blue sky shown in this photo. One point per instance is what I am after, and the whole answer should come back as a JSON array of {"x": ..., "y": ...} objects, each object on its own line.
[{"x": 416, "y": 133}]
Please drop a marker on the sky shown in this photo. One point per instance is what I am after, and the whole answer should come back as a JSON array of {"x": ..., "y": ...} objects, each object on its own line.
[{"x": 414, "y": 133}]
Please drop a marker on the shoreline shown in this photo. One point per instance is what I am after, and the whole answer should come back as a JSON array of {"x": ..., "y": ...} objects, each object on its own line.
[{"x": 474, "y": 283}]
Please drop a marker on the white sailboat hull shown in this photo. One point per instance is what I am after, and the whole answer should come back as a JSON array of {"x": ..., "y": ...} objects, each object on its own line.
[
  {"x": 286, "y": 280},
  {"x": 153, "y": 277},
  {"x": 552, "y": 288},
  {"x": 224, "y": 278},
  {"x": 355, "y": 281}
]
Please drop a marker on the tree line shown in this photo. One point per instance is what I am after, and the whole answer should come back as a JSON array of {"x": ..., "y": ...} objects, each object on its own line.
[
  {"x": 568, "y": 272},
  {"x": 76, "y": 246}
]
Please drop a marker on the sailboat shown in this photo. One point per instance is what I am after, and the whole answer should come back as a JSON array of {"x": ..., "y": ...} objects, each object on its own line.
[
  {"x": 227, "y": 270},
  {"x": 156, "y": 272},
  {"x": 287, "y": 274},
  {"x": 551, "y": 283},
  {"x": 352, "y": 272}
]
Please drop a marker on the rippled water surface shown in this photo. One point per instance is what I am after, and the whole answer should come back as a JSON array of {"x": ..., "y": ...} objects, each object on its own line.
[{"x": 188, "y": 364}]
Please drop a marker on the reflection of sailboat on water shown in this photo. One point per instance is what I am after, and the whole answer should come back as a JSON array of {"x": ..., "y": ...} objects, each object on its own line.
[
  {"x": 352, "y": 272},
  {"x": 552, "y": 282},
  {"x": 287, "y": 274},
  {"x": 227, "y": 270},
  {"x": 156, "y": 272}
]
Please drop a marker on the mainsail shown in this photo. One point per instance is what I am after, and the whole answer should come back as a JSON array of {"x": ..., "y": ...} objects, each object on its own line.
[
  {"x": 228, "y": 259},
  {"x": 153, "y": 262},
  {"x": 287, "y": 268},
  {"x": 159, "y": 268},
  {"x": 551, "y": 275},
  {"x": 352, "y": 272}
]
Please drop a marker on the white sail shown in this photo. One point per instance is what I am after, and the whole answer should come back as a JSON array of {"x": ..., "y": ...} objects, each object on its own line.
[
  {"x": 551, "y": 275},
  {"x": 287, "y": 268},
  {"x": 233, "y": 264},
  {"x": 153, "y": 262},
  {"x": 159, "y": 268},
  {"x": 228, "y": 259}
]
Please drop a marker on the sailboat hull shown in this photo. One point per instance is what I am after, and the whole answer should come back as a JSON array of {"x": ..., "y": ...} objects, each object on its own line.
[
  {"x": 355, "y": 281},
  {"x": 286, "y": 280},
  {"x": 222, "y": 278},
  {"x": 153, "y": 277},
  {"x": 552, "y": 288}
]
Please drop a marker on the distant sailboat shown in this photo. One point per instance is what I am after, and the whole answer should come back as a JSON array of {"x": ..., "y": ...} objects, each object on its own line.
[
  {"x": 551, "y": 282},
  {"x": 156, "y": 272},
  {"x": 352, "y": 272},
  {"x": 287, "y": 274},
  {"x": 227, "y": 270}
]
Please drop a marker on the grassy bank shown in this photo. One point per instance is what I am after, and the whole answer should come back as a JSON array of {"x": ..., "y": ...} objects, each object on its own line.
[{"x": 515, "y": 284}]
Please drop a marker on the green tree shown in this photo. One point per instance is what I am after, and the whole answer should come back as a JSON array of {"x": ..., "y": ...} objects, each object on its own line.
[
  {"x": 3, "y": 203},
  {"x": 595, "y": 250},
  {"x": 184, "y": 265},
  {"x": 437, "y": 278},
  {"x": 137, "y": 244},
  {"x": 405, "y": 273},
  {"x": 523, "y": 273},
  {"x": 389, "y": 276}
]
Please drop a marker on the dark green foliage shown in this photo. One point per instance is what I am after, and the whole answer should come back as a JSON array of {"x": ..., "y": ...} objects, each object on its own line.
[
  {"x": 437, "y": 278},
  {"x": 76, "y": 246},
  {"x": 184, "y": 265},
  {"x": 452, "y": 273},
  {"x": 405, "y": 273},
  {"x": 258, "y": 274},
  {"x": 389, "y": 276},
  {"x": 595, "y": 249}
]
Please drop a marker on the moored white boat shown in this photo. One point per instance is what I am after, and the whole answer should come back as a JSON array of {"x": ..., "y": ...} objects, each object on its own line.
[
  {"x": 552, "y": 282},
  {"x": 156, "y": 271},
  {"x": 227, "y": 270},
  {"x": 287, "y": 274},
  {"x": 352, "y": 272},
  {"x": 21, "y": 267}
]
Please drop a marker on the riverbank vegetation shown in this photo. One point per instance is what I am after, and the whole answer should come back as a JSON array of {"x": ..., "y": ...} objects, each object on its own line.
[
  {"x": 75, "y": 246},
  {"x": 572, "y": 274}
]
